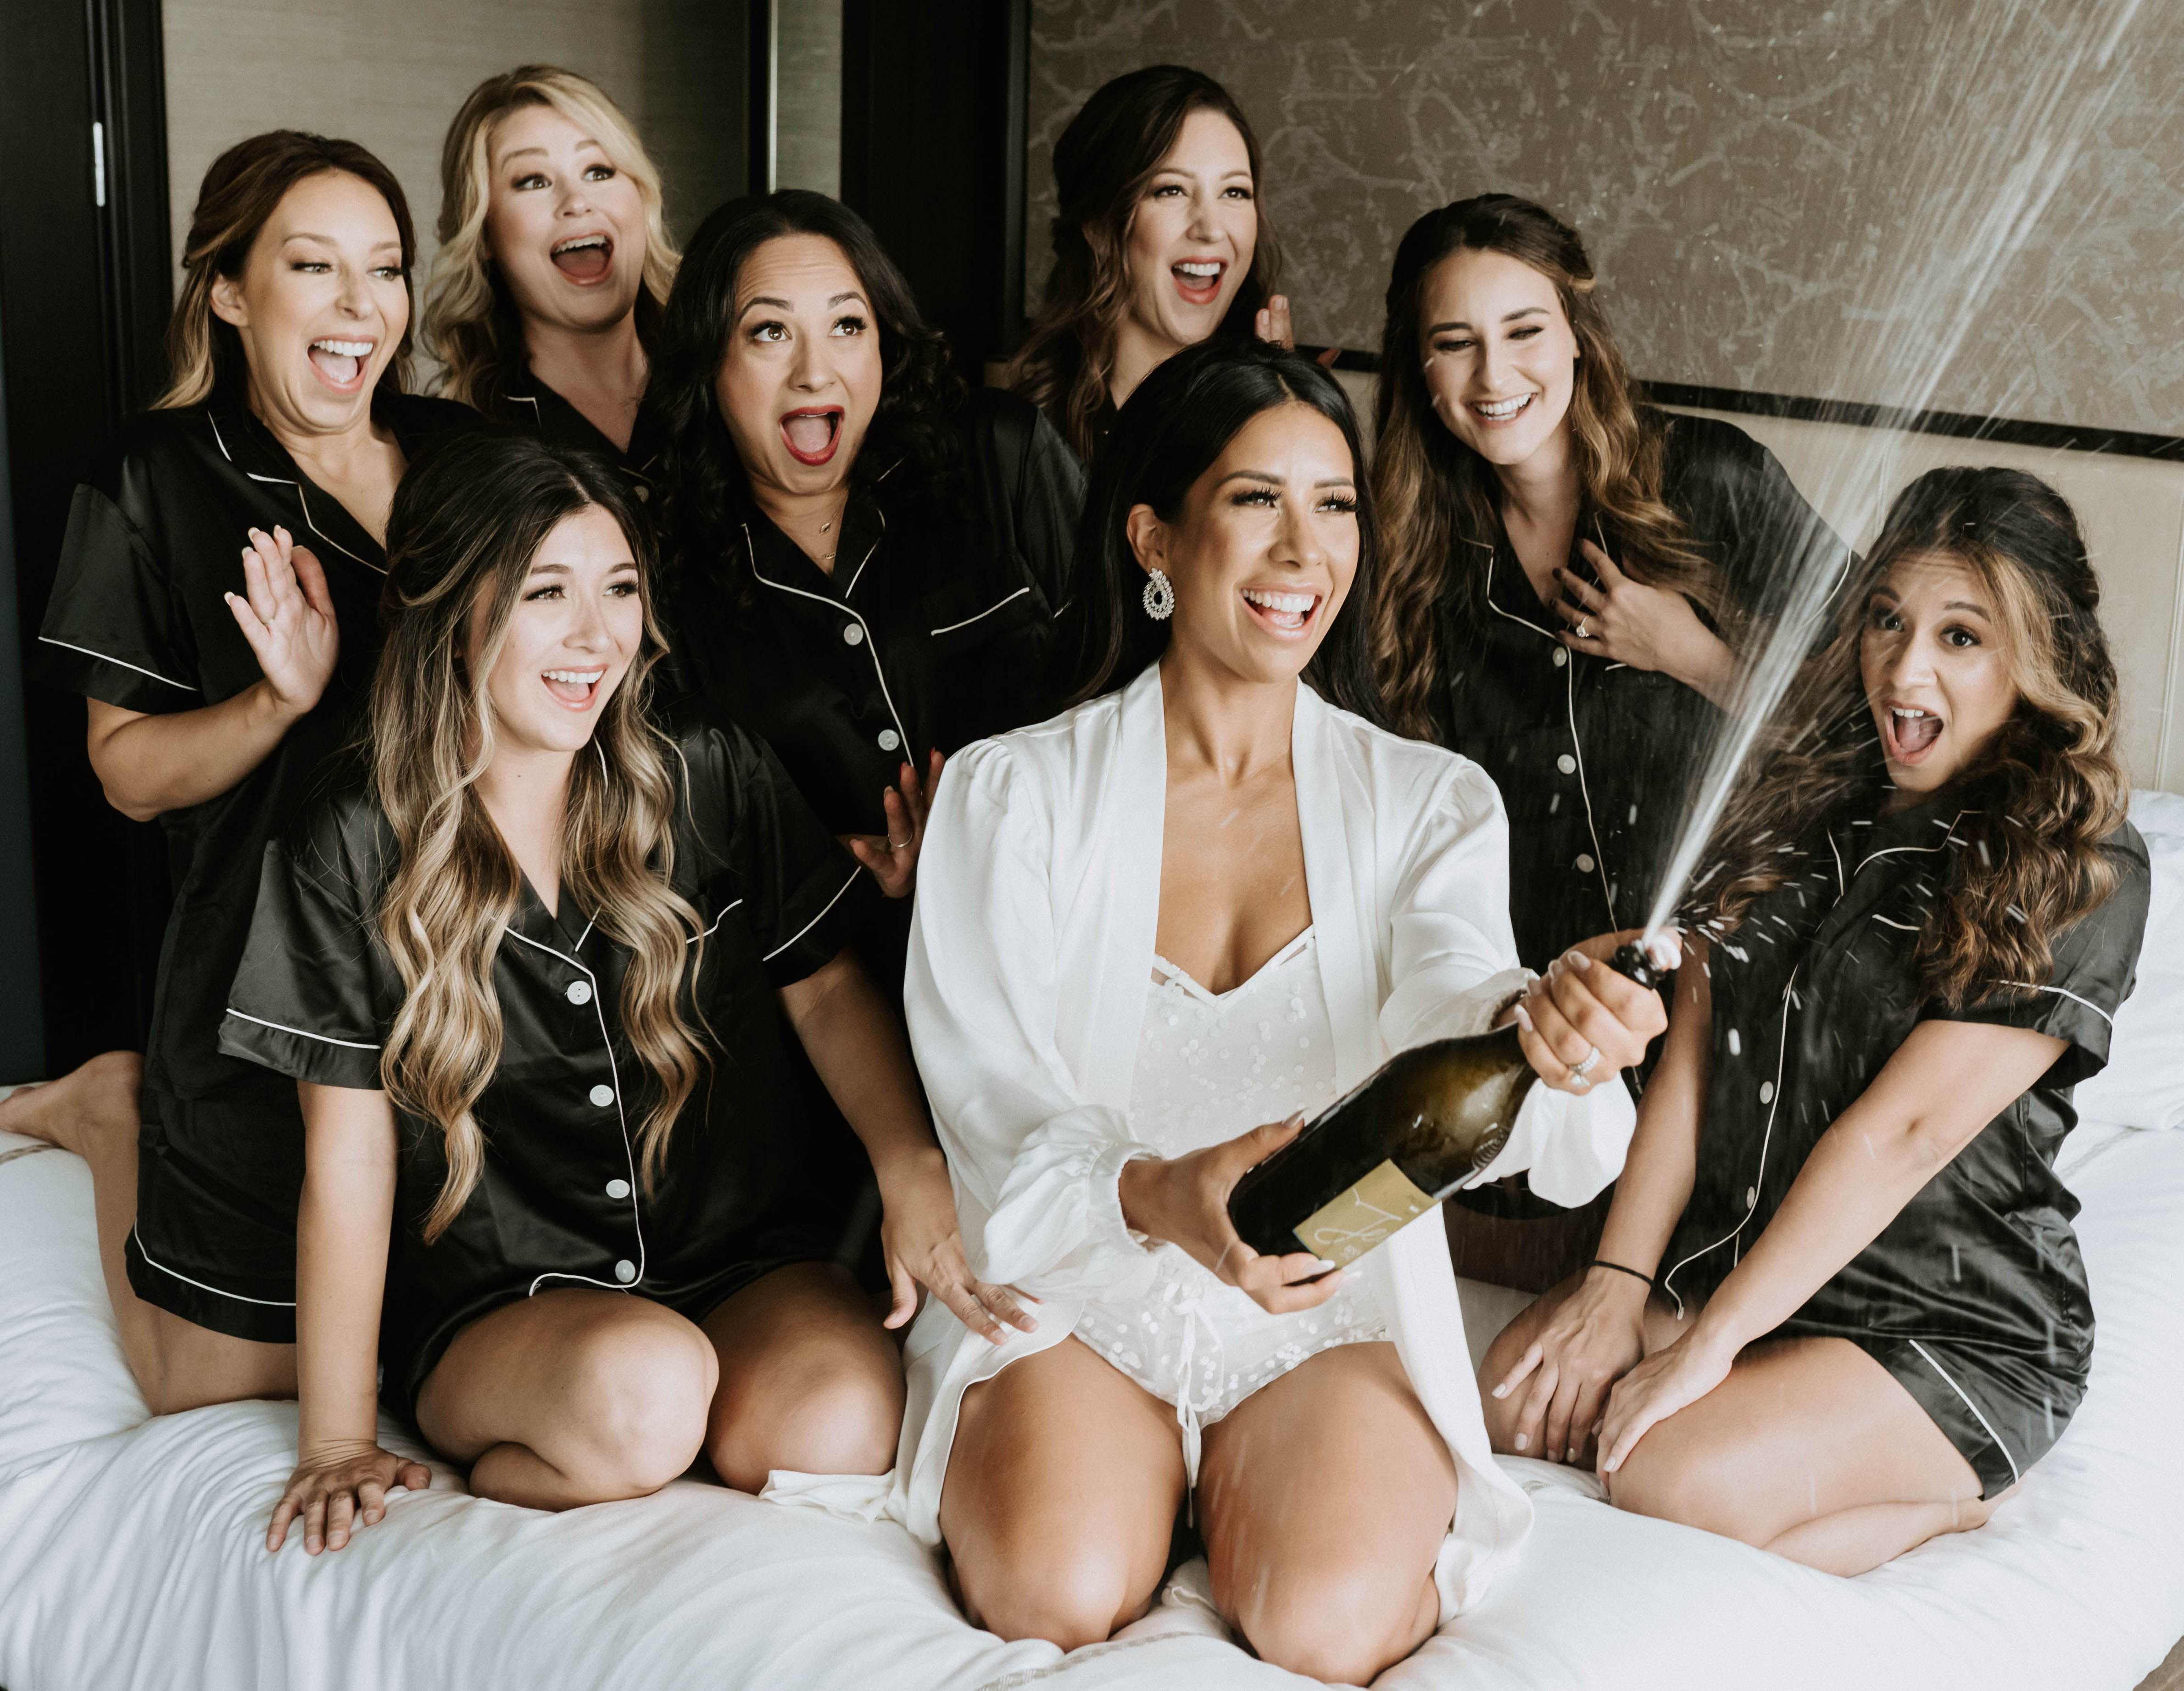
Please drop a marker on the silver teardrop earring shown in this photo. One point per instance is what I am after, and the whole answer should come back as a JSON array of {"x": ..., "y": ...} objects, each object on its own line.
[{"x": 1160, "y": 595}]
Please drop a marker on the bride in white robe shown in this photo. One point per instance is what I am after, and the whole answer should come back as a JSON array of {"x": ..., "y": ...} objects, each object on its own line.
[{"x": 1096, "y": 1103}]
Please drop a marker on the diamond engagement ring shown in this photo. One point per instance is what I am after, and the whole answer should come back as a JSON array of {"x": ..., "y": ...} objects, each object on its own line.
[
  {"x": 1582, "y": 631},
  {"x": 1579, "y": 1071}
]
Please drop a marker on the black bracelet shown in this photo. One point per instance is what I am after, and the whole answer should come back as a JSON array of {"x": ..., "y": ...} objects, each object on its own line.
[{"x": 1634, "y": 1274}]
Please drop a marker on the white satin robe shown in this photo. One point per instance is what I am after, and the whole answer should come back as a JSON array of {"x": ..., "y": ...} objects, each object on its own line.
[{"x": 1030, "y": 959}]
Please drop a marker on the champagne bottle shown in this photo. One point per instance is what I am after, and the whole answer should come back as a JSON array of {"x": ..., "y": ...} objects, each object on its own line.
[{"x": 1423, "y": 1123}]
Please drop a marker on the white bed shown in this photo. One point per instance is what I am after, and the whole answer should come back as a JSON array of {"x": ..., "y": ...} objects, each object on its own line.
[{"x": 131, "y": 1550}]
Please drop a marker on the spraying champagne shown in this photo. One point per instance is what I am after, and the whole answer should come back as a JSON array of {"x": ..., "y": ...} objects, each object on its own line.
[{"x": 1420, "y": 1126}]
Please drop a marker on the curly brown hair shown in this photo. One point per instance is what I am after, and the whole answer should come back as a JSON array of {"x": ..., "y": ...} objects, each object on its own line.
[
  {"x": 2044, "y": 793},
  {"x": 1434, "y": 491}
]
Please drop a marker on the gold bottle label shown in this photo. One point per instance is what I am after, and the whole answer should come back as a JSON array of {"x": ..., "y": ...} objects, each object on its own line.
[{"x": 1366, "y": 1215}]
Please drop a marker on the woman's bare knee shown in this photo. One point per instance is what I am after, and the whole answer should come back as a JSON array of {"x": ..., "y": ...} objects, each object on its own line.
[
  {"x": 638, "y": 1391},
  {"x": 1071, "y": 1594},
  {"x": 840, "y": 1414},
  {"x": 1345, "y": 1625}
]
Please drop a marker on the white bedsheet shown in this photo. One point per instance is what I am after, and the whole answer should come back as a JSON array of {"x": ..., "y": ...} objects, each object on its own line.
[{"x": 131, "y": 1550}]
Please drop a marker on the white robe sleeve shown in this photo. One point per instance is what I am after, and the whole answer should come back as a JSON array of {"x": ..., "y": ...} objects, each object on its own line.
[
  {"x": 1031, "y": 1155},
  {"x": 1453, "y": 959}
]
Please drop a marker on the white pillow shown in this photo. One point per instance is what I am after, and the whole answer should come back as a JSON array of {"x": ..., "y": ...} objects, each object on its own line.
[{"x": 2143, "y": 1084}]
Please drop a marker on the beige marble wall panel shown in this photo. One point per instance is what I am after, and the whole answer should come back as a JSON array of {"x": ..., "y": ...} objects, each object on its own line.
[
  {"x": 1970, "y": 204},
  {"x": 391, "y": 73},
  {"x": 808, "y": 126}
]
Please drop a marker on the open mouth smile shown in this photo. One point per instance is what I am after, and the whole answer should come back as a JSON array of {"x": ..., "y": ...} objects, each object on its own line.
[
  {"x": 813, "y": 434},
  {"x": 1908, "y": 734},
  {"x": 1285, "y": 614},
  {"x": 574, "y": 688},
  {"x": 1495, "y": 413},
  {"x": 340, "y": 364},
  {"x": 1198, "y": 280},
  {"x": 584, "y": 258}
]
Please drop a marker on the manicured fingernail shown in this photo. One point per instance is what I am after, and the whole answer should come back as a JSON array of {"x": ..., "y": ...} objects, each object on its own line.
[
  {"x": 1524, "y": 1019},
  {"x": 1572, "y": 1453},
  {"x": 1500, "y": 1391},
  {"x": 1323, "y": 1265},
  {"x": 1522, "y": 1439},
  {"x": 1578, "y": 960}
]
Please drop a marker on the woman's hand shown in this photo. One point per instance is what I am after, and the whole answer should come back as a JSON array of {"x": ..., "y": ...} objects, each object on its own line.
[
  {"x": 1647, "y": 628},
  {"x": 1582, "y": 1020},
  {"x": 923, "y": 1245},
  {"x": 1185, "y": 1200},
  {"x": 1272, "y": 325},
  {"x": 1671, "y": 1379},
  {"x": 336, "y": 1488},
  {"x": 287, "y": 616},
  {"x": 1594, "y": 1338},
  {"x": 892, "y": 857}
]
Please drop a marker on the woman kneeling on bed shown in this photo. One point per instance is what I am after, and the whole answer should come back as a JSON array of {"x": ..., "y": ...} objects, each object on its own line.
[
  {"x": 1148, "y": 932},
  {"x": 1872, "y": 1317},
  {"x": 526, "y": 968}
]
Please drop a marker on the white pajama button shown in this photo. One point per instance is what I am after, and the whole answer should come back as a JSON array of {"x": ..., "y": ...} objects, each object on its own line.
[
  {"x": 1567, "y": 764},
  {"x": 889, "y": 739},
  {"x": 1584, "y": 862},
  {"x": 1751, "y": 1197},
  {"x": 602, "y": 1096},
  {"x": 617, "y": 1188},
  {"x": 625, "y": 1271},
  {"x": 580, "y": 992},
  {"x": 1766, "y": 1091},
  {"x": 853, "y": 635},
  {"x": 1562, "y": 656}
]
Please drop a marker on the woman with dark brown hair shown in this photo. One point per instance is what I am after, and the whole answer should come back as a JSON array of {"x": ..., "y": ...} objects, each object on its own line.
[
  {"x": 1872, "y": 1316},
  {"x": 1160, "y": 242},
  {"x": 1571, "y": 577},
  {"x": 216, "y": 607}
]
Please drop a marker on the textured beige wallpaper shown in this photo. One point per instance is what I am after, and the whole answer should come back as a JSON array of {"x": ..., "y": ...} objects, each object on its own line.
[
  {"x": 391, "y": 73},
  {"x": 1976, "y": 205}
]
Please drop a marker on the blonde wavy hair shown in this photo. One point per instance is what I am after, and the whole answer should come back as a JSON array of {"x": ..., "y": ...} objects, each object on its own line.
[
  {"x": 242, "y": 190},
  {"x": 467, "y": 521},
  {"x": 471, "y": 325},
  {"x": 1435, "y": 492},
  {"x": 2041, "y": 796}
]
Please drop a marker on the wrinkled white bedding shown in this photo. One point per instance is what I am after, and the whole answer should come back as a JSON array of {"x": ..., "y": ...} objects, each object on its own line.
[{"x": 131, "y": 1550}]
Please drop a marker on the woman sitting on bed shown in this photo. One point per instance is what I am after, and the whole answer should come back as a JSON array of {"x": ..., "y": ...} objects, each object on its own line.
[
  {"x": 526, "y": 968},
  {"x": 1872, "y": 1318},
  {"x": 1151, "y": 937}
]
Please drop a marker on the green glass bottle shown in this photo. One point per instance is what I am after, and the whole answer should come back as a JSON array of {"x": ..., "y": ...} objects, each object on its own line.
[{"x": 1420, "y": 1126}]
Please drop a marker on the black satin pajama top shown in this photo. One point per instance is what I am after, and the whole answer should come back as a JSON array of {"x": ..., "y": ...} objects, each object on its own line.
[
  {"x": 560, "y": 1202},
  {"x": 1597, "y": 762},
  {"x": 927, "y": 634},
  {"x": 137, "y": 619},
  {"x": 519, "y": 399},
  {"x": 1974, "y": 1297}
]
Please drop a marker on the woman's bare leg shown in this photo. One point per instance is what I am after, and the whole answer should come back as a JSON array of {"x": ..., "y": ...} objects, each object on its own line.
[
  {"x": 809, "y": 1380},
  {"x": 1809, "y": 1448},
  {"x": 571, "y": 1397},
  {"x": 1325, "y": 1496},
  {"x": 177, "y": 1365},
  {"x": 1061, "y": 1497}
]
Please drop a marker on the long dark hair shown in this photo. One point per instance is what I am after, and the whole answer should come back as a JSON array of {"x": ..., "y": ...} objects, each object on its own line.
[
  {"x": 2046, "y": 790},
  {"x": 1100, "y": 167},
  {"x": 242, "y": 190},
  {"x": 704, "y": 492},
  {"x": 1180, "y": 420},
  {"x": 1436, "y": 492},
  {"x": 468, "y": 520}
]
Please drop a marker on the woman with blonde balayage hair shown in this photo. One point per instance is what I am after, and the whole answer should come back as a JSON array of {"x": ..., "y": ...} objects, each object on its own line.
[
  {"x": 1571, "y": 576},
  {"x": 528, "y": 966},
  {"x": 215, "y": 605},
  {"x": 1872, "y": 1318},
  {"x": 555, "y": 257}
]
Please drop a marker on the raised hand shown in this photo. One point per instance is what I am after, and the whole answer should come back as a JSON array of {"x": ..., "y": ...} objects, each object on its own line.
[
  {"x": 892, "y": 857},
  {"x": 288, "y": 615},
  {"x": 923, "y": 1245},
  {"x": 1185, "y": 1200},
  {"x": 1582, "y": 1021},
  {"x": 1647, "y": 628},
  {"x": 1272, "y": 324},
  {"x": 339, "y": 1488}
]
